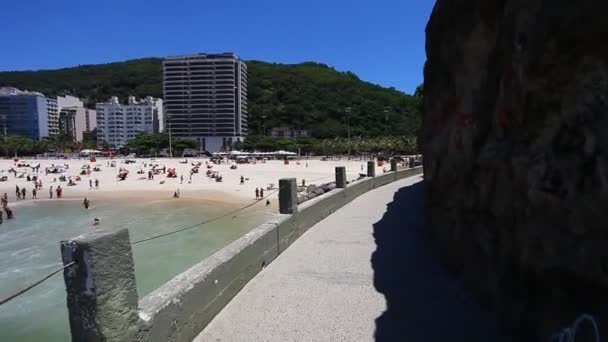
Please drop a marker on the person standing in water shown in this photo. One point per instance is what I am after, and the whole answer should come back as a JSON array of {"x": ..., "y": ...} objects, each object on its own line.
[
  {"x": 86, "y": 203},
  {"x": 9, "y": 213}
]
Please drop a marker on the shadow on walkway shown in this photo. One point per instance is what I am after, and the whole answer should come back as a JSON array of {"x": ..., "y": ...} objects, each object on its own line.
[{"x": 424, "y": 303}]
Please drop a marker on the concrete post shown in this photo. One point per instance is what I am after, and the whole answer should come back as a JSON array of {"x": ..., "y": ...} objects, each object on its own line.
[
  {"x": 340, "y": 177},
  {"x": 371, "y": 169},
  {"x": 288, "y": 196},
  {"x": 101, "y": 289},
  {"x": 393, "y": 165}
]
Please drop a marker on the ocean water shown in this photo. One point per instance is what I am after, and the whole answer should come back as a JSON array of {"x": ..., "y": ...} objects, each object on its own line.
[{"x": 29, "y": 249}]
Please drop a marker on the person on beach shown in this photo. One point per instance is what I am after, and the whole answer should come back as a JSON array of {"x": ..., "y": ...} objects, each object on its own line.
[
  {"x": 9, "y": 213},
  {"x": 23, "y": 193},
  {"x": 261, "y": 193},
  {"x": 86, "y": 203},
  {"x": 257, "y": 194},
  {"x": 51, "y": 192},
  {"x": 96, "y": 222},
  {"x": 4, "y": 200},
  {"x": 267, "y": 202},
  {"x": 181, "y": 179},
  {"x": 303, "y": 182},
  {"x": 18, "y": 191},
  {"x": 90, "y": 184},
  {"x": 176, "y": 194},
  {"x": 59, "y": 191},
  {"x": 34, "y": 191},
  {"x": 96, "y": 183},
  {"x": 242, "y": 180},
  {"x": 0, "y": 216}
]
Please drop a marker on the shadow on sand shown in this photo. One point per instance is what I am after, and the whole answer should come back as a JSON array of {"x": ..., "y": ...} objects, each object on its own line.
[{"x": 424, "y": 302}]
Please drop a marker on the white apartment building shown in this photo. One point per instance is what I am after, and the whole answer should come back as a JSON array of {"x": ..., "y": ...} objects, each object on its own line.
[
  {"x": 117, "y": 123},
  {"x": 52, "y": 116},
  {"x": 75, "y": 120}
]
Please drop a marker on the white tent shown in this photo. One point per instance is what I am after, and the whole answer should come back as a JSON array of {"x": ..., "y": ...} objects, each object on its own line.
[
  {"x": 284, "y": 153},
  {"x": 90, "y": 152}
]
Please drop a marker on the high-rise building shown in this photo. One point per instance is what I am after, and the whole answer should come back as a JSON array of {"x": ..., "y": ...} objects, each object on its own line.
[
  {"x": 205, "y": 98},
  {"x": 117, "y": 123},
  {"x": 75, "y": 120},
  {"x": 27, "y": 113},
  {"x": 52, "y": 116}
]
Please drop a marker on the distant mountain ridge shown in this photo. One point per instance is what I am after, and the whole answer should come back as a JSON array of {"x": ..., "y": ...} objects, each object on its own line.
[{"x": 308, "y": 95}]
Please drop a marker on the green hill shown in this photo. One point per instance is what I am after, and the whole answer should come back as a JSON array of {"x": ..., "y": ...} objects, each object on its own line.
[{"x": 308, "y": 95}]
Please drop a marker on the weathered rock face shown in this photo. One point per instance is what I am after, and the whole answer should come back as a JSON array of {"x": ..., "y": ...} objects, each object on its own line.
[{"x": 515, "y": 143}]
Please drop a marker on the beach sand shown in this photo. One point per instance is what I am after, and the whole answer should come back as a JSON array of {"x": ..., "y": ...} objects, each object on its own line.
[{"x": 137, "y": 187}]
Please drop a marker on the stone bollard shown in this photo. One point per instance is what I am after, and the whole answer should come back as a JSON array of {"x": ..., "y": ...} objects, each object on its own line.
[
  {"x": 340, "y": 177},
  {"x": 288, "y": 196},
  {"x": 394, "y": 165},
  {"x": 101, "y": 290},
  {"x": 371, "y": 169}
]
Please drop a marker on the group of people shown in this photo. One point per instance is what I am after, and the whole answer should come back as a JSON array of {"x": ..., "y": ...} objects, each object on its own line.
[
  {"x": 259, "y": 193},
  {"x": 58, "y": 191},
  {"x": 96, "y": 183},
  {"x": 21, "y": 193}
]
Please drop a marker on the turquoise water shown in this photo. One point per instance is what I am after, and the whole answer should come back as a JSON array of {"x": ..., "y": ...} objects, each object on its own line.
[{"x": 29, "y": 249}]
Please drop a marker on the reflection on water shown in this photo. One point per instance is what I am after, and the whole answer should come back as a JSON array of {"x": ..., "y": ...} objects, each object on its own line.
[{"x": 29, "y": 248}]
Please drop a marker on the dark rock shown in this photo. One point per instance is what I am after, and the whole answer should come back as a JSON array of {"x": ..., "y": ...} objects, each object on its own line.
[
  {"x": 516, "y": 155},
  {"x": 318, "y": 191}
]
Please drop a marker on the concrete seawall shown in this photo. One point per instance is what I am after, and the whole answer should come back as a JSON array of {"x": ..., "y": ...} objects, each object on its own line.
[{"x": 180, "y": 309}]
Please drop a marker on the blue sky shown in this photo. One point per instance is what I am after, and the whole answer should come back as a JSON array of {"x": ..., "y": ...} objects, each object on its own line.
[{"x": 382, "y": 41}]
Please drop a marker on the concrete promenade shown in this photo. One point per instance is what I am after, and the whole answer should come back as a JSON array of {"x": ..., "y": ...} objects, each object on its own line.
[{"x": 364, "y": 273}]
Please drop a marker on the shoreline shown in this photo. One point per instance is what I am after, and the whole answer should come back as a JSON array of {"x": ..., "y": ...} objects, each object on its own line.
[{"x": 195, "y": 186}]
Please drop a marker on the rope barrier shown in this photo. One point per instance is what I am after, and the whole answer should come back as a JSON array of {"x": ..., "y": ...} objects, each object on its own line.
[
  {"x": 216, "y": 218},
  {"x": 17, "y": 294},
  {"x": 28, "y": 288},
  {"x": 205, "y": 222}
]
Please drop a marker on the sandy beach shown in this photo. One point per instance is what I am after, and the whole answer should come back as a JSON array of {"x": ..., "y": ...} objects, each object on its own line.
[{"x": 200, "y": 187}]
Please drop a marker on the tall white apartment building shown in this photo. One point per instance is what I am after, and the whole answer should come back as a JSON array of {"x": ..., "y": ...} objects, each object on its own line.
[
  {"x": 52, "y": 116},
  {"x": 117, "y": 123}
]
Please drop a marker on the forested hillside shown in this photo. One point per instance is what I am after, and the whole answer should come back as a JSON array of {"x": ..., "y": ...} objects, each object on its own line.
[{"x": 308, "y": 96}]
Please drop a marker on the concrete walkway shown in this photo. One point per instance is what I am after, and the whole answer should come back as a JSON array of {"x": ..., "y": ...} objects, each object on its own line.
[{"x": 364, "y": 273}]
